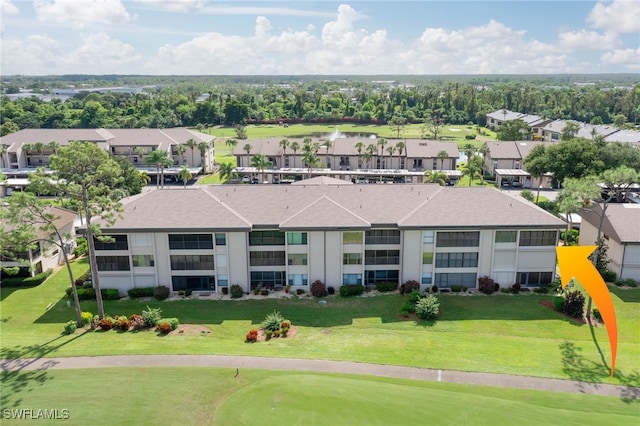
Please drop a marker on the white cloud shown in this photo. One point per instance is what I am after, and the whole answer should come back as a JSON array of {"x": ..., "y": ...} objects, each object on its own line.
[
  {"x": 629, "y": 58},
  {"x": 263, "y": 27},
  {"x": 619, "y": 16},
  {"x": 588, "y": 40},
  {"x": 8, "y": 8},
  {"x": 176, "y": 5},
  {"x": 107, "y": 55},
  {"x": 81, "y": 14}
]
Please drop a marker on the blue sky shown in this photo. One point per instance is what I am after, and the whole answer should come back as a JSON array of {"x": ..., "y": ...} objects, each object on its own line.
[{"x": 213, "y": 37}]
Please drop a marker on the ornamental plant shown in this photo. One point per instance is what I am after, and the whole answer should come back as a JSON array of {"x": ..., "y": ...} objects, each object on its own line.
[
  {"x": 428, "y": 307},
  {"x": 252, "y": 336}
]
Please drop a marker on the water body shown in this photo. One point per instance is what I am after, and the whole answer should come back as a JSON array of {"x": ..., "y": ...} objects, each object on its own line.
[{"x": 337, "y": 134}]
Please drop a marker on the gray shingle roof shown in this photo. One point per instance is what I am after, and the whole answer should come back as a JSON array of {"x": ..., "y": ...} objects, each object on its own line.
[{"x": 622, "y": 221}]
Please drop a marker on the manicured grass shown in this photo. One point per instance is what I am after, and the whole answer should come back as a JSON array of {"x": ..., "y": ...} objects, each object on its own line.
[
  {"x": 189, "y": 396},
  {"x": 498, "y": 333}
]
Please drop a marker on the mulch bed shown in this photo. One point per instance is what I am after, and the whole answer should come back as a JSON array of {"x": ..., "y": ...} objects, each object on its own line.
[
  {"x": 549, "y": 304},
  {"x": 191, "y": 330},
  {"x": 262, "y": 336}
]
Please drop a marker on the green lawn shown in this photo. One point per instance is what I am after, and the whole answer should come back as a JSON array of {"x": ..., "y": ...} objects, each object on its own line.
[{"x": 196, "y": 396}]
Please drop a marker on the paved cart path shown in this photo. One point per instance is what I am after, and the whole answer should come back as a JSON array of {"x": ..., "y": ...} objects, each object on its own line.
[{"x": 322, "y": 366}]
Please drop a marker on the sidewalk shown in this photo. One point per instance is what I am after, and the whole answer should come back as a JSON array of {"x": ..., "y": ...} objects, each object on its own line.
[{"x": 321, "y": 366}]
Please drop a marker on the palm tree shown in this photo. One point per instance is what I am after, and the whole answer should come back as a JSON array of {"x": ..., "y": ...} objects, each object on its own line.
[
  {"x": 310, "y": 159},
  {"x": 473, "y": 168},
  {"x": 39, "y": 147},
  {"x": 203, "y": 147},
  {"x": 359, "y": 146},
  {"x": 371, "y": 150},
  {"x": 469, "y": 150},
  {"x": 247, "y": 148},
  {"x": 391, "y": 150},
  {"x": 367, "y": 156},
  {"x": 434, "y": 176},
  {"x": 442, "y": 155},
  {"x": 284, "y": 143},
  {"x": 181, "y": 148},
  {"x": 295, "y": 146},
  {"x": 227, "y": 171},
  {"x": 53, "y": 146},
  {"x": 185, "y": 175},
  {"x": 260, "y": 162},
  {"x": 381, "y": 143},
  {"x": 192, "y": 144},
  {"x": 400, "y": 146},
  {"x": 160, "y": 159}
]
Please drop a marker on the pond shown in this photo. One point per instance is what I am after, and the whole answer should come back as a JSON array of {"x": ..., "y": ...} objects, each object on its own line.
[{"x": 338, "y": 134}]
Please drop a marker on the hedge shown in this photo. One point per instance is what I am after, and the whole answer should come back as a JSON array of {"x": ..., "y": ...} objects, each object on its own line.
[{"x": 26, "y": 282}]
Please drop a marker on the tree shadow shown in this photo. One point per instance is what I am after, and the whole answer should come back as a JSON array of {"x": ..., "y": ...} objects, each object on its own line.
[
  {"x": 16, "y": 377},
  {"x": 592, "y": 374}
]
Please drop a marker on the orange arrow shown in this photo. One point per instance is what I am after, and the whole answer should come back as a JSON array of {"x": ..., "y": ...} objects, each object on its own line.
[{"x": 574, "y": 263}]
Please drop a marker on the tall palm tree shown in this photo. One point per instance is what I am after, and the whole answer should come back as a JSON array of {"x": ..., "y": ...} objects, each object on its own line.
[
  {"x": 442, "y": 155},
  {"x": 469, "y": 149},
  {"x": 192, "y": 144},
  {"x": 371, "y": 150},
  {"x": 391, "y": 150},
  {"x": 284, "y": 144},
  {"x": 473, "y": 169},
  {"x": 382, "y": 143},
  {"x": 311, "y": 160},
  {"x": 435, "y": 176},
  {"x": 367, "y": 156},
  {"x": 185, "y": 175},
  {"x": 203, "y": 147},
  {"x": 295, "y": 146},
  {"x": 359, "y": 146},
  {"x": 247, "y": 148},
  {"x": 227, "y": 171},
  {"x": 160, "y": 159},
  {"x": 181, "y": 148},
  {"x": 231, "y": 143},
  {"x": 260, "y": 162},
  {"x": 401, "y": 145}
]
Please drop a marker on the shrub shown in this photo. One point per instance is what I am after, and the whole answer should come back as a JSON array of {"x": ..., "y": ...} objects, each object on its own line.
[
  {"x": 318, "y": 289},
  {"x": 351, "y": 290},
  {"x": 405, "y": 313},
  {"x": 573, "y": 304},
  {"x": 161, "y": 292},
  {"x": 276, "y": 333},
  {"x": 122, "y": 322},
  {"x": 273, "y": 321},
  {"x": 81, "y": 247},
  {"x": 486, "y": 285},
  {"x": 138, "y": 292},
  {"x": 331, "y": 291},
  {"x": 70, "y": 327},
  {"x": 264, "y": 292},
  {"x": 109, "y": 293},
  {"x": 188, "y": 292},
  {"x": 137, "y": 322},
  {"x": 558, "y": 302},
  {"x": 167, "y": 323},
  {"x": 596, "y": 314},
  {"x": 87, "y": 284},
  {"x": 151, "y": 316},
  {"x": 105, "y": 323},
  {"x": 469, "y": 137},
  {"x": 609, "y": 276},
  {"x": 630, "y": 282},
  {"x": 386, "y": 286},
  {"x": 428, "y": 307},
  {"x": 409, "y": 286},
  {"x": 457, "y": 289},
  {"x": 236, "y": 291},
  {"x": 414, "y": 296},
  {"x": 83, "y": 278},
  {"x": 225, "y": 290},
  {"x": 86, "y": 317},
  {"x": 85, "y": 293},
  {"x": 252, "y": 336},
  {"x": 515, "y": 289},
  {"x": 268, "y": 334},
  {"x": 434, "y": 288},
  {"x": 407, "y": 307},
  {"x": 527, "y": 194},
  {"x": 299, "y": 291},
  {"x": 181, "y": 293},
  {"x": 26, "y": 281}
]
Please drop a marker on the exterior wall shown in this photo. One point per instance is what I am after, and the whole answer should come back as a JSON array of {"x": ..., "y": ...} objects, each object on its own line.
[
  {"x": 411, "y": 266},
  {"x": 333, "y": 245},
  {"x": 631, "y": 262},
  {"x": 317, "y": 256},
  {"x": 238, "y": 247}
]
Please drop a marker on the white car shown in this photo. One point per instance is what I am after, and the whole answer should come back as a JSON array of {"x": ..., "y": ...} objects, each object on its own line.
[{"x": 246, "y": 179}]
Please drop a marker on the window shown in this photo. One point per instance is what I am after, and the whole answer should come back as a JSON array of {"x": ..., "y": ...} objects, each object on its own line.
[
  {"x": 296, "y": 238},
  {"x": 374, "y": 276},
  {"x": 266, "y": 238},
  {"x": 352, "y": 258},
  {"x": 352, "y": 237},
  {"x": 427, "y": 258},
  {"x": 267, "y": 278},
  {"x": 298, "y": 279},
  {"x": 118, "y": 242},
  {"x": 191, "y": 262},
  {"x": 450, "y": 279},
  {"x": 458, "y": 239},
  {"x": 142, "y": 260},
  {"x": 506, "y": 236},
  {"x": 266, "y": 258},
  {"x": 427, "y": 237},
  {"x": 193, "y": 283},
  {"x": 190, "y": 241},
  {"x": 538, "y": 238},
  {"x": 456, "y": 260},
  {"x": 382, "y": 236},
  {"x": 221, "y": 239},
  {"x": 382, "y": 257},
  {"x": 426, "y": 278},
  {"x": 351, "y": 279},
  {"x": 223, "y": 280},
  {"x": 534, "y": 278},
  {"x": 113, "y": 263},
  {"x": 36, "y": 251},
  {"x": 297, "y": 259}
]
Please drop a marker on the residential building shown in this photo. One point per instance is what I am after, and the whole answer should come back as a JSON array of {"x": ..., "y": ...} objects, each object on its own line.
[
  {"x": 504, "y": 160},
  {"x": 46, "y": 255},
  {"x": 552, "y": 132},
  {"x": 621, "y": 233},
  {"x": 209, "y": 237},
  {"x": 535, "y": 122}
]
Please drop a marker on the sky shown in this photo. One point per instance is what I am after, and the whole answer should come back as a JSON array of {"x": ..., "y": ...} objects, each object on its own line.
[{"x": 214, "y": 37}]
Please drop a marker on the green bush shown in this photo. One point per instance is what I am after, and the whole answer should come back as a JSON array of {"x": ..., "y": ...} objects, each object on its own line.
[
  {"x": 138, "y": 292},
  {"x": 630, "y": 282},
  {"x": 273, "y": 321},
  {"x": 299, "y": 291},
  {"x": 172, "y": 322},
  {"x": 86, "y": 317},
  {"x": 26, "y": 282},
  {"x": 70, "y": 327},
  {"x": 469, "y": 137},
  {"x": 428, "y": 307},
  {"x": 386, "y": 286},
  {"x": 515, "y": 289},
  {"x": 596, "y": 314},
  {"x": 86, "y": 293},
  {"x": 236, "y": 291},
  {"x": 318, "y": 289},
  {"x": 161, "y": 292},
  {"x": 109, "y": 293},
  {"x": 414, "y": 296},
  {"x": 409, "y": 286},
  {"x": 457, "y": 289},
  {"x": 331, "y": 291},
  {"x": 81, "y": 247},
  {"x": 558, "y": 303},
  {"x": 527, "y": 194},
  {"x": 609, "y": 276},
  {"x": 82, "y": 278},
  {"x": 351, "y": 290},
  {"x": 151, "y": 316},
  {"x": 407, "y": 307},
  {"x": 573, "y": 304}
]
